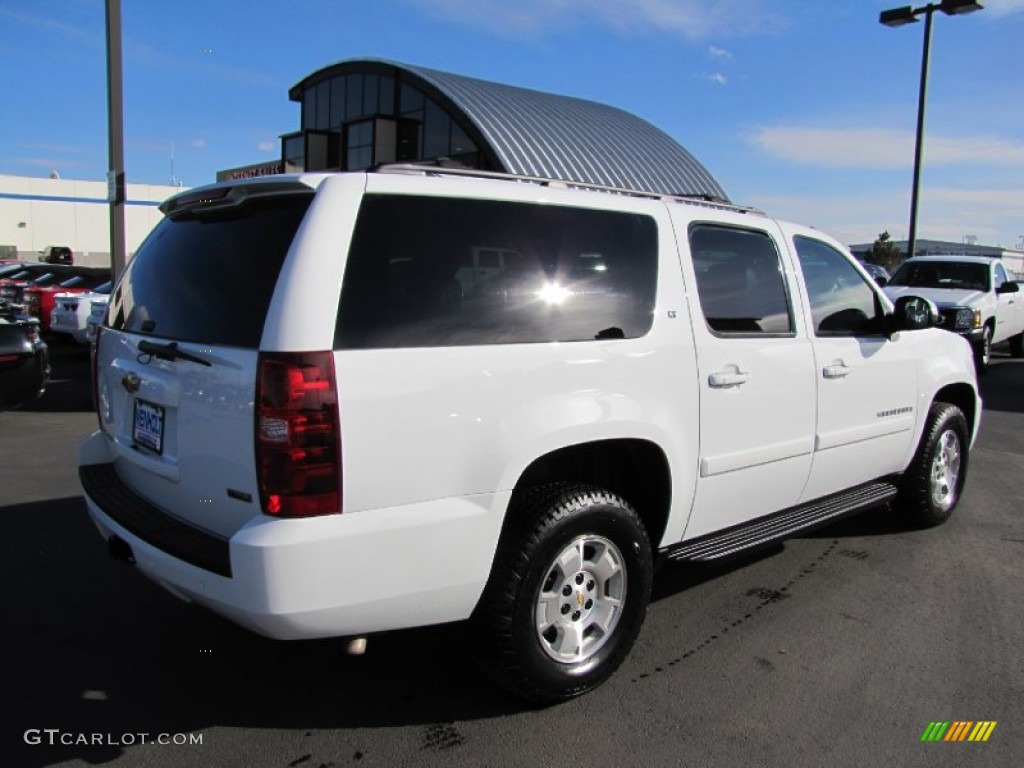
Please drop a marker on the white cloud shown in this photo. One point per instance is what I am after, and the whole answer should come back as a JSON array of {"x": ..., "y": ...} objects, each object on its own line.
[
  {"x": 51, "y": 162},
  {"x": 716, "y": 77},
  {"x": 993, "y": 215},
  {"x": 88, "y": 37},
  {"x": 880, "y": 148},
  {"x": 1004, "y": 7},
  {"x": 198, "y": 143},
  {"x": 719, "y": 53},
  {"x": 62, "y": 148},
  {"x": 267, "y": 146},
  {"x": 693, "y": 19}
]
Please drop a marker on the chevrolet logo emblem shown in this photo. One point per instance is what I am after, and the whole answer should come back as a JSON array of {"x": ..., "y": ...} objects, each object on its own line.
[
  {"x": 580, "y": 599},
  {"x": 131, "y": 382}
]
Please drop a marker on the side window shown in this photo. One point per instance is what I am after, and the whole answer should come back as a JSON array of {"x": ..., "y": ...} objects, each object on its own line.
[
  {"x": 1000, "y": 276},
  {"x": 440, "y": 272},
  {"x": 739, "y": 281},
  {"x": 842, "y": 302}
]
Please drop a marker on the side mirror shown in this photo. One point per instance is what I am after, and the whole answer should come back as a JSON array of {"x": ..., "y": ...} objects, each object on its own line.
[
  {"x": 881, "y": 281},
  {"x": 913, "y": 313},
  {"x": 1010, "y": 286}
]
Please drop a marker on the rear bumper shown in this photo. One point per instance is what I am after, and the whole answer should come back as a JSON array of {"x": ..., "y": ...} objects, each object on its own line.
[
  {"x": 328, "y": 576},
  {"x": 151, "y": 524}
]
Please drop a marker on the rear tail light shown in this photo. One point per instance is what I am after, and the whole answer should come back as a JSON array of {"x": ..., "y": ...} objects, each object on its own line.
[{"x": 298, "y": 439}]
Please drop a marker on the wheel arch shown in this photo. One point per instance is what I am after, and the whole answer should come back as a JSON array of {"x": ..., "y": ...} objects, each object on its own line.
[
  {"x": 635, "y": 469},
  {"x": 963, "y": 397}
]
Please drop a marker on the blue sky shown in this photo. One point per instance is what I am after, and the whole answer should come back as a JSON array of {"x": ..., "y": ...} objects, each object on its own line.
[{"x": 804, "y": 108}]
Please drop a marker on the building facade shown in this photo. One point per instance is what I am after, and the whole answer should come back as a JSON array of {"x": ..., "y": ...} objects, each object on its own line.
[
  {"x": 360, "y": 113},
  {"x": 35, "y": 213}
]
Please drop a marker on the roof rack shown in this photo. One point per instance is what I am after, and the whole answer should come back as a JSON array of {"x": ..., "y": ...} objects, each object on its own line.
[{"x": 445, "y": 167}]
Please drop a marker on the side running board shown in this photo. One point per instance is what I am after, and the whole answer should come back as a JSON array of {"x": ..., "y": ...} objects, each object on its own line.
[{"x": 780, "y": 525}]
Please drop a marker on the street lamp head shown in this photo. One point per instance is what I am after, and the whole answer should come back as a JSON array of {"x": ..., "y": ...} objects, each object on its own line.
[
  {"x": 897, "y": 17},
  {"x": 958, "y": 7}
]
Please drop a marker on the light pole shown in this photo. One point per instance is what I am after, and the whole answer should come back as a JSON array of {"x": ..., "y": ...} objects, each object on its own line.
[
  {"x": 115, "y": 139},
  {"x": 907, "y": 14}
]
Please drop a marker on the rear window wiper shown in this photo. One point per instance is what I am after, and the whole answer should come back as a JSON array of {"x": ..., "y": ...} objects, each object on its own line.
[{"x": 169, "y": 352}]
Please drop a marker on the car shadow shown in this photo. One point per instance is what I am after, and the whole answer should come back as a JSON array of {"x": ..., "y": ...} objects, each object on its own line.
[
  {"x": 104, "y": 650},
  {"x": 70, "y": 386},
  {"x": 1002, "y": 384},
  {"x": 884, "y": 520},
  {"x": 674, "y": 578}
]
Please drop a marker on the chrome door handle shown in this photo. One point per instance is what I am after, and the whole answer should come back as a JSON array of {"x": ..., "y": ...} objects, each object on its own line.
[
  {"x": 727, "y": 379},
  {"x": 836, "y": 371}
]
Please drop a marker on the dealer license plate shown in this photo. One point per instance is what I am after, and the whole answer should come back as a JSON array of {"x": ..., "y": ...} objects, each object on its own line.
[{"x": 148, "y": 426}]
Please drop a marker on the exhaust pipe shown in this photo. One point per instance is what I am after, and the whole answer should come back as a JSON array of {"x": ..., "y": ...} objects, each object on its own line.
[{"x": 119, "y": 550}]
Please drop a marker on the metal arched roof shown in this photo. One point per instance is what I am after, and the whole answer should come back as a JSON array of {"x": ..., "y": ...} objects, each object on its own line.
[{"x": 560, "y": 137}]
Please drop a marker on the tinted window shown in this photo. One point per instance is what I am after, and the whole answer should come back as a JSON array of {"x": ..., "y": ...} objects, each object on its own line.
[
  {"x": 208, "y": 276},
  {"x": 943, "y": 274},
  {"x": 427, "y": 271},
  {"x": 842, "y": 302},
  {"x": 337, "y": 102},
  {"x": 739, "y": 280}
]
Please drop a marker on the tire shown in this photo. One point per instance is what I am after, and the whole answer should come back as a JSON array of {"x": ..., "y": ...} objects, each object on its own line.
[
  {"x": 567, "y": 594},
  {"x": 1017, "y": 345},
  {"x": 932, "y": 484},
  {"x": 983, "y": 350}
]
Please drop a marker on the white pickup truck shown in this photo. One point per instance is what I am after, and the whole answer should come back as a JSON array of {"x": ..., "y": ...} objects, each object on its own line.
[{"x": 975, "y": 296}]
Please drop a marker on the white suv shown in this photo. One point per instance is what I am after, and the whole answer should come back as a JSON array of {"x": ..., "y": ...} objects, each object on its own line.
[{"x": 381, "y": 424}]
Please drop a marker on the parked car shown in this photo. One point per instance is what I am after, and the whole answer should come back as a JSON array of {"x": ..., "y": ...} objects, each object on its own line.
[
  {"x": 346, "y": 442},
  {"x": 57, "y": 254},
  {"x": 97, "y": 316},
  {"x": 24, "y": 360},
  {"x": 38, "y": 298},
  {"x": 878, "y": 273},
  {"x": 975, "y": 296},
  {"x": 13, "y": 283},
  {"x": 71, "y": 311}
]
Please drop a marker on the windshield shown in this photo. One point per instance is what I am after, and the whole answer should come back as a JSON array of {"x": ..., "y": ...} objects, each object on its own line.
[{"x": 957, "y": 275}]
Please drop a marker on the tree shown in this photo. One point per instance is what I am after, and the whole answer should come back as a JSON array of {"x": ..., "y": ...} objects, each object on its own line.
[{"x": 885, "y": 253}]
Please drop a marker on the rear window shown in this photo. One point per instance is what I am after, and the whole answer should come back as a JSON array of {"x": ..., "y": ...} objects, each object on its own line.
[
  {"x": 433, "y": 272},
  {"x": 208, "y": 276}
]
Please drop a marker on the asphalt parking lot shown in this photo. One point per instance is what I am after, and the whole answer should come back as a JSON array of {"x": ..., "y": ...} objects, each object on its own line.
[{"x": 837, "y": 648}]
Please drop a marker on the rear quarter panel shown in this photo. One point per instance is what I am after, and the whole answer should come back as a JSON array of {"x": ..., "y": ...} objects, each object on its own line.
[{"x": 448, "y": 422}]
